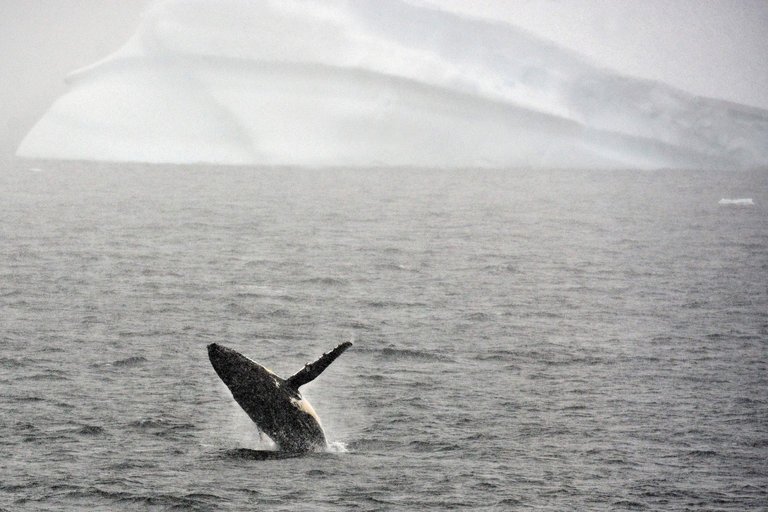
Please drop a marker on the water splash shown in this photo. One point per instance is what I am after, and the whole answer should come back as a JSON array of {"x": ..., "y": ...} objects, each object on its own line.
[
  {"x": 246, "y": 434},
  {"x": 336, "y": 447}
]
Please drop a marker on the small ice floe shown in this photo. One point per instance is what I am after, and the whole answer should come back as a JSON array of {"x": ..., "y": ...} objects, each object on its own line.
[{"x": 747, "y": 201}]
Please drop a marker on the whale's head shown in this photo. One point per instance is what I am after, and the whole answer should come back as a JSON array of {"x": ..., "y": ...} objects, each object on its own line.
[{"x": 240, "y": 374}]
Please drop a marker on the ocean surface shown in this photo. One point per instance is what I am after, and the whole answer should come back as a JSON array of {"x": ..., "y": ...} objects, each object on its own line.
[{"x": 523, "y": 340}]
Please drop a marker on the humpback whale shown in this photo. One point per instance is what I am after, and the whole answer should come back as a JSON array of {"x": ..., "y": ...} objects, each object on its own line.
[{"x": 273, "y": 403}]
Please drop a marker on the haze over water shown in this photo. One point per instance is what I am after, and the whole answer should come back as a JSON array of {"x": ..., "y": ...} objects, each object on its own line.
[{"x": 524, "y": 341}]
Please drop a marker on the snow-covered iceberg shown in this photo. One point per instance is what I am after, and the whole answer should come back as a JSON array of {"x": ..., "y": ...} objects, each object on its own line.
[{"x": 374, "y": 83}]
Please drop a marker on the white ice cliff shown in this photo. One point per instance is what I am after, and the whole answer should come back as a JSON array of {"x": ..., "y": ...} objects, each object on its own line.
[{"x": 375, "y": 83}]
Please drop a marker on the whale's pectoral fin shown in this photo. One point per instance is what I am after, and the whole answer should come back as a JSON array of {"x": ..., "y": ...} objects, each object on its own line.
[{"x": 312, "y": 370}]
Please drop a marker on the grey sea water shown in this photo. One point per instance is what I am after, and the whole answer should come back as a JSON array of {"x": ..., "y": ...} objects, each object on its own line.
[{"x": 523, "y": 340}]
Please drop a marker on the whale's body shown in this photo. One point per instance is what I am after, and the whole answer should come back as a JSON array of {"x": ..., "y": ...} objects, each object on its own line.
[{"x": 273, "y": 403}]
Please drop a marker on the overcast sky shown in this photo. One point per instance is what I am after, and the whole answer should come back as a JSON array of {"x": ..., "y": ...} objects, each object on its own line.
[{"x": 715, "y": 48}]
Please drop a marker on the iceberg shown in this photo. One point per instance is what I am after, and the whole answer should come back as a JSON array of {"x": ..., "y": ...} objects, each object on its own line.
[{"x": 375, "y": 83}]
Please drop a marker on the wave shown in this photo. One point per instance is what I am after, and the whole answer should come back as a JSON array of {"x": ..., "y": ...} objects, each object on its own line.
[
  {"x": 372, "y": 445},
  {"x": 358, "y": 325},
  {"x": 497, "y": 355},
  {"x": 161, "y": 426},
  {"x": 326, "y": 281},
  {"x": 163, "y": 501},
  {"x": 397, "y": 268},
  {"x": 433, "y": 446},
  {"x": 266, "y": 295},
  {"x": 47, "y": 375},
  {"x": 422, "y": 355},
  {"x": 150, "y": 423},
  {"x": 480, "y": 316},
  {"x": 12, "y": 362},
  {"x": 129, "y": 362},
  {"x": 383, "y": 304},
  {"x": 91, "y": 430},
  {"x": 702, "y": 453},
  {"x": 249, "y": 454}
]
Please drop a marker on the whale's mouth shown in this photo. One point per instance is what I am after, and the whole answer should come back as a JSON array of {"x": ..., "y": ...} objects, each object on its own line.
[
  {"x": 214, "y": 353},
  {"x": 223, "y": 360}
]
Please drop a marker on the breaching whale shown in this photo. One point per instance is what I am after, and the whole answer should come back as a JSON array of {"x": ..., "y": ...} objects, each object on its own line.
[{"x": 273, "y": 403}]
